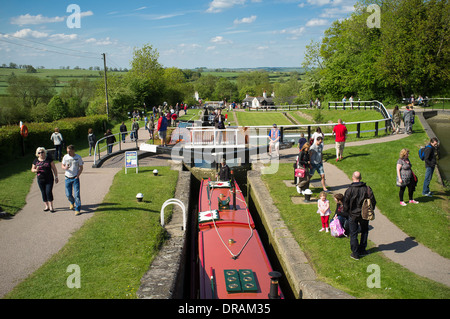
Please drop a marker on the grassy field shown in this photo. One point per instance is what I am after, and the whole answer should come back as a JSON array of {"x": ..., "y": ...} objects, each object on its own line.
[
  {"x": 306, "y": 117},
  {"x": 63, "y": 76},
  {"x": 114, "y": 248},
  {"x": 427, "y": 222},
  {"x": 60, "y": 77}
]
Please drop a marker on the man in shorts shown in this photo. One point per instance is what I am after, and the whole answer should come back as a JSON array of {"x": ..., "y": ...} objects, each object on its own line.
[
  {"x": 317, "y": 161},
  {"x": 340, "y": 131}
]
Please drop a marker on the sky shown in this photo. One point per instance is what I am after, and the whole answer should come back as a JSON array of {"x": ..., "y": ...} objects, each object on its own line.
[{"x": 186, "y": 34}]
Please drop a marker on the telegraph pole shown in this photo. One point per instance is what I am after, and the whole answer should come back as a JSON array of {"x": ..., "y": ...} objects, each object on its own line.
[{"x": 106, "y": 87}]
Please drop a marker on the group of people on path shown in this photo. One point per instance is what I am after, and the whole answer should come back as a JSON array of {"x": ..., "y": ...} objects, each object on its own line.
[
  {"x": 47, "y": 174},
  {"x": 408, "y": 118},
  {"x": 310, "y": 157},
  {"x": 406, "y": 177},
  {"x": 349, "y": 213}
]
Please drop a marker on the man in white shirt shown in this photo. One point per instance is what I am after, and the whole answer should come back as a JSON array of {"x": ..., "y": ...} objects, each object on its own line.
[{"x": 72, "y": 164}]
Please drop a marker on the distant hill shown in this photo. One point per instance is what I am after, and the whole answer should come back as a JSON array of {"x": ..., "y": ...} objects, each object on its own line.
[{"x": 267, "y": 69}]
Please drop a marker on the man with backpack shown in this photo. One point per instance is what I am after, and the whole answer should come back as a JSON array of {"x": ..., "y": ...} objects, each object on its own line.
[
  {"x": 430, "y": 156},
  {"x": 353, "y": 200}
]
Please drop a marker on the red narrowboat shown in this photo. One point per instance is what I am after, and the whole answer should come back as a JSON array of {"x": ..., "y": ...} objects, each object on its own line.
[{"x": 233, "y": 263}]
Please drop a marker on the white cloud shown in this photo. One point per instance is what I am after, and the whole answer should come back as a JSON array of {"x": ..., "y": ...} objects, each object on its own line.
[
  {"x": 220, "y": 40},
  {"x": 106, "y": 41},
  {"x": 293, "y": 33},
  {"x": 319, "y": 2},
  {"x": 28, "y": 33},
  {"x": 61, "y": 37},
  {"x": 86, "y": 14},
  {"x": 38, "y": 19},
  {"x": 220, "y": 5},
  {"x": 164, "y": 16},
  {"x": 337, "y": 12},
  {"x": 316, "y": 22},
  {"x": 190, "y": 45},
  {"x": 250, "y": 19},
  {"x": 27, "y": 19}
]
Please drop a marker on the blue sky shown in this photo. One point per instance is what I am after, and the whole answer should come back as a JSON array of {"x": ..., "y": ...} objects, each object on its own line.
[{"x": 187, "y": 34}]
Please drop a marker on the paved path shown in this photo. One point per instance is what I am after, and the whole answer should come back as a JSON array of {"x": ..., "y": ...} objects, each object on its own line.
[{"x": 389, "y": 239}]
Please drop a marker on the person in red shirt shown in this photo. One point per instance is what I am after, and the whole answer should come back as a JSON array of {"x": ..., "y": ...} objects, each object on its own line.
[{"x": 340, "y": 131}]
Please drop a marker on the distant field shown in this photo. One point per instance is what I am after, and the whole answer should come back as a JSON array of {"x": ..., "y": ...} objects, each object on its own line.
[
  {"x": 62, "y": 76},
  {"x": 274, "y": 76}
]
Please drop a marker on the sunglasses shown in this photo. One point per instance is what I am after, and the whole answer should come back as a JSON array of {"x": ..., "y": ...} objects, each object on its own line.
[{"x": 41, "y": 152}]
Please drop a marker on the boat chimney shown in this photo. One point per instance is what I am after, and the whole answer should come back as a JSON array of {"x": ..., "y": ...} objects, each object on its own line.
[
  {"x": 274, "y": 277},
  {"x": 233, "y": 189}
]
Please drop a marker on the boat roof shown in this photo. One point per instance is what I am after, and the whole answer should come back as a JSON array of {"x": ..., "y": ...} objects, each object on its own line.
[{"x": 233, "y": 261}]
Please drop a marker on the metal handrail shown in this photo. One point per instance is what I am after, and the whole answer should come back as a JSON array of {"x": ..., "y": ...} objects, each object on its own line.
[
  {"x": 177, "y": 202},
  {"x": 213, "y": 137},
  {"x": 98, "y": 149}
]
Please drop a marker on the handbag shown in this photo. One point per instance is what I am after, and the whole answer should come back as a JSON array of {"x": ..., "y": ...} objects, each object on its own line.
[
  {"x": 336, "y": 228},
  {"x": 300, "y": 172}
]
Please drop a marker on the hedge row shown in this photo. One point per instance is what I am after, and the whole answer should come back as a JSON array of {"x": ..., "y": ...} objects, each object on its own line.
[{"x": 39, "y": 135}]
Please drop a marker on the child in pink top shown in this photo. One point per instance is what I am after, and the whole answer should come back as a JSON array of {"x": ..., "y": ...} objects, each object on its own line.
[{"x": 323, "y": 205}]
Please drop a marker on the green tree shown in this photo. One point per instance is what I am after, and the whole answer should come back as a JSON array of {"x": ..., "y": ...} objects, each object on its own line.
[
  {"x": 408, "y": 54},
  {"x": 205, "y": 86},
  {"x": 146, "y": 76},
  {"x": 174, "y": 80},
  {"x": 57, "y": 108},
  {"x": 30, "y": 90},
  {"x": 225, "y": 90}
]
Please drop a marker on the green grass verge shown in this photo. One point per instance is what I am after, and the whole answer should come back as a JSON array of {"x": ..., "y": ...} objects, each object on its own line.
[
  {"x": 330, "y": 257},
  {"x": 427, "y": 222},
  {"x": 261, "y": 118},
  {"x": 114, "y": 248}
]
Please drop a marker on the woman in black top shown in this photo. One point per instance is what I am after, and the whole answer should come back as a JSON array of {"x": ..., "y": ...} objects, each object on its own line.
[
  {"x": 303, "y": 161},
  {"x": 45, "y": 169}
]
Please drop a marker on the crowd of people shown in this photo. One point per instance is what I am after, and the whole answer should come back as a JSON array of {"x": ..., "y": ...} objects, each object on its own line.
[
  {"x": 349, "y": 205},
  {"x": 309, "y": 160}
]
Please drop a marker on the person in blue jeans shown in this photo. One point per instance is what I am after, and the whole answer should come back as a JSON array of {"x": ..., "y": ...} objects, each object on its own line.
[
  {"x": 352, "y": 202},
  {"x": 72, "y": 164},
  {"x": 431, "y": 157}
]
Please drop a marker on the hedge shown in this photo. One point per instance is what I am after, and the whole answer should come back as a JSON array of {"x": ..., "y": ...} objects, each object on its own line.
[{"x": 39, "y": 135}]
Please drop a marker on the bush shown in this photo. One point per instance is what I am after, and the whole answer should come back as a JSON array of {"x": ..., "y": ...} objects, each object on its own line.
[{"x": 11, "y": 142}]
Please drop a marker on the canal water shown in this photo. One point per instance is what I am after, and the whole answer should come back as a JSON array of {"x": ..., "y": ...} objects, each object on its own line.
[{"x": 440, "y": 124}]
